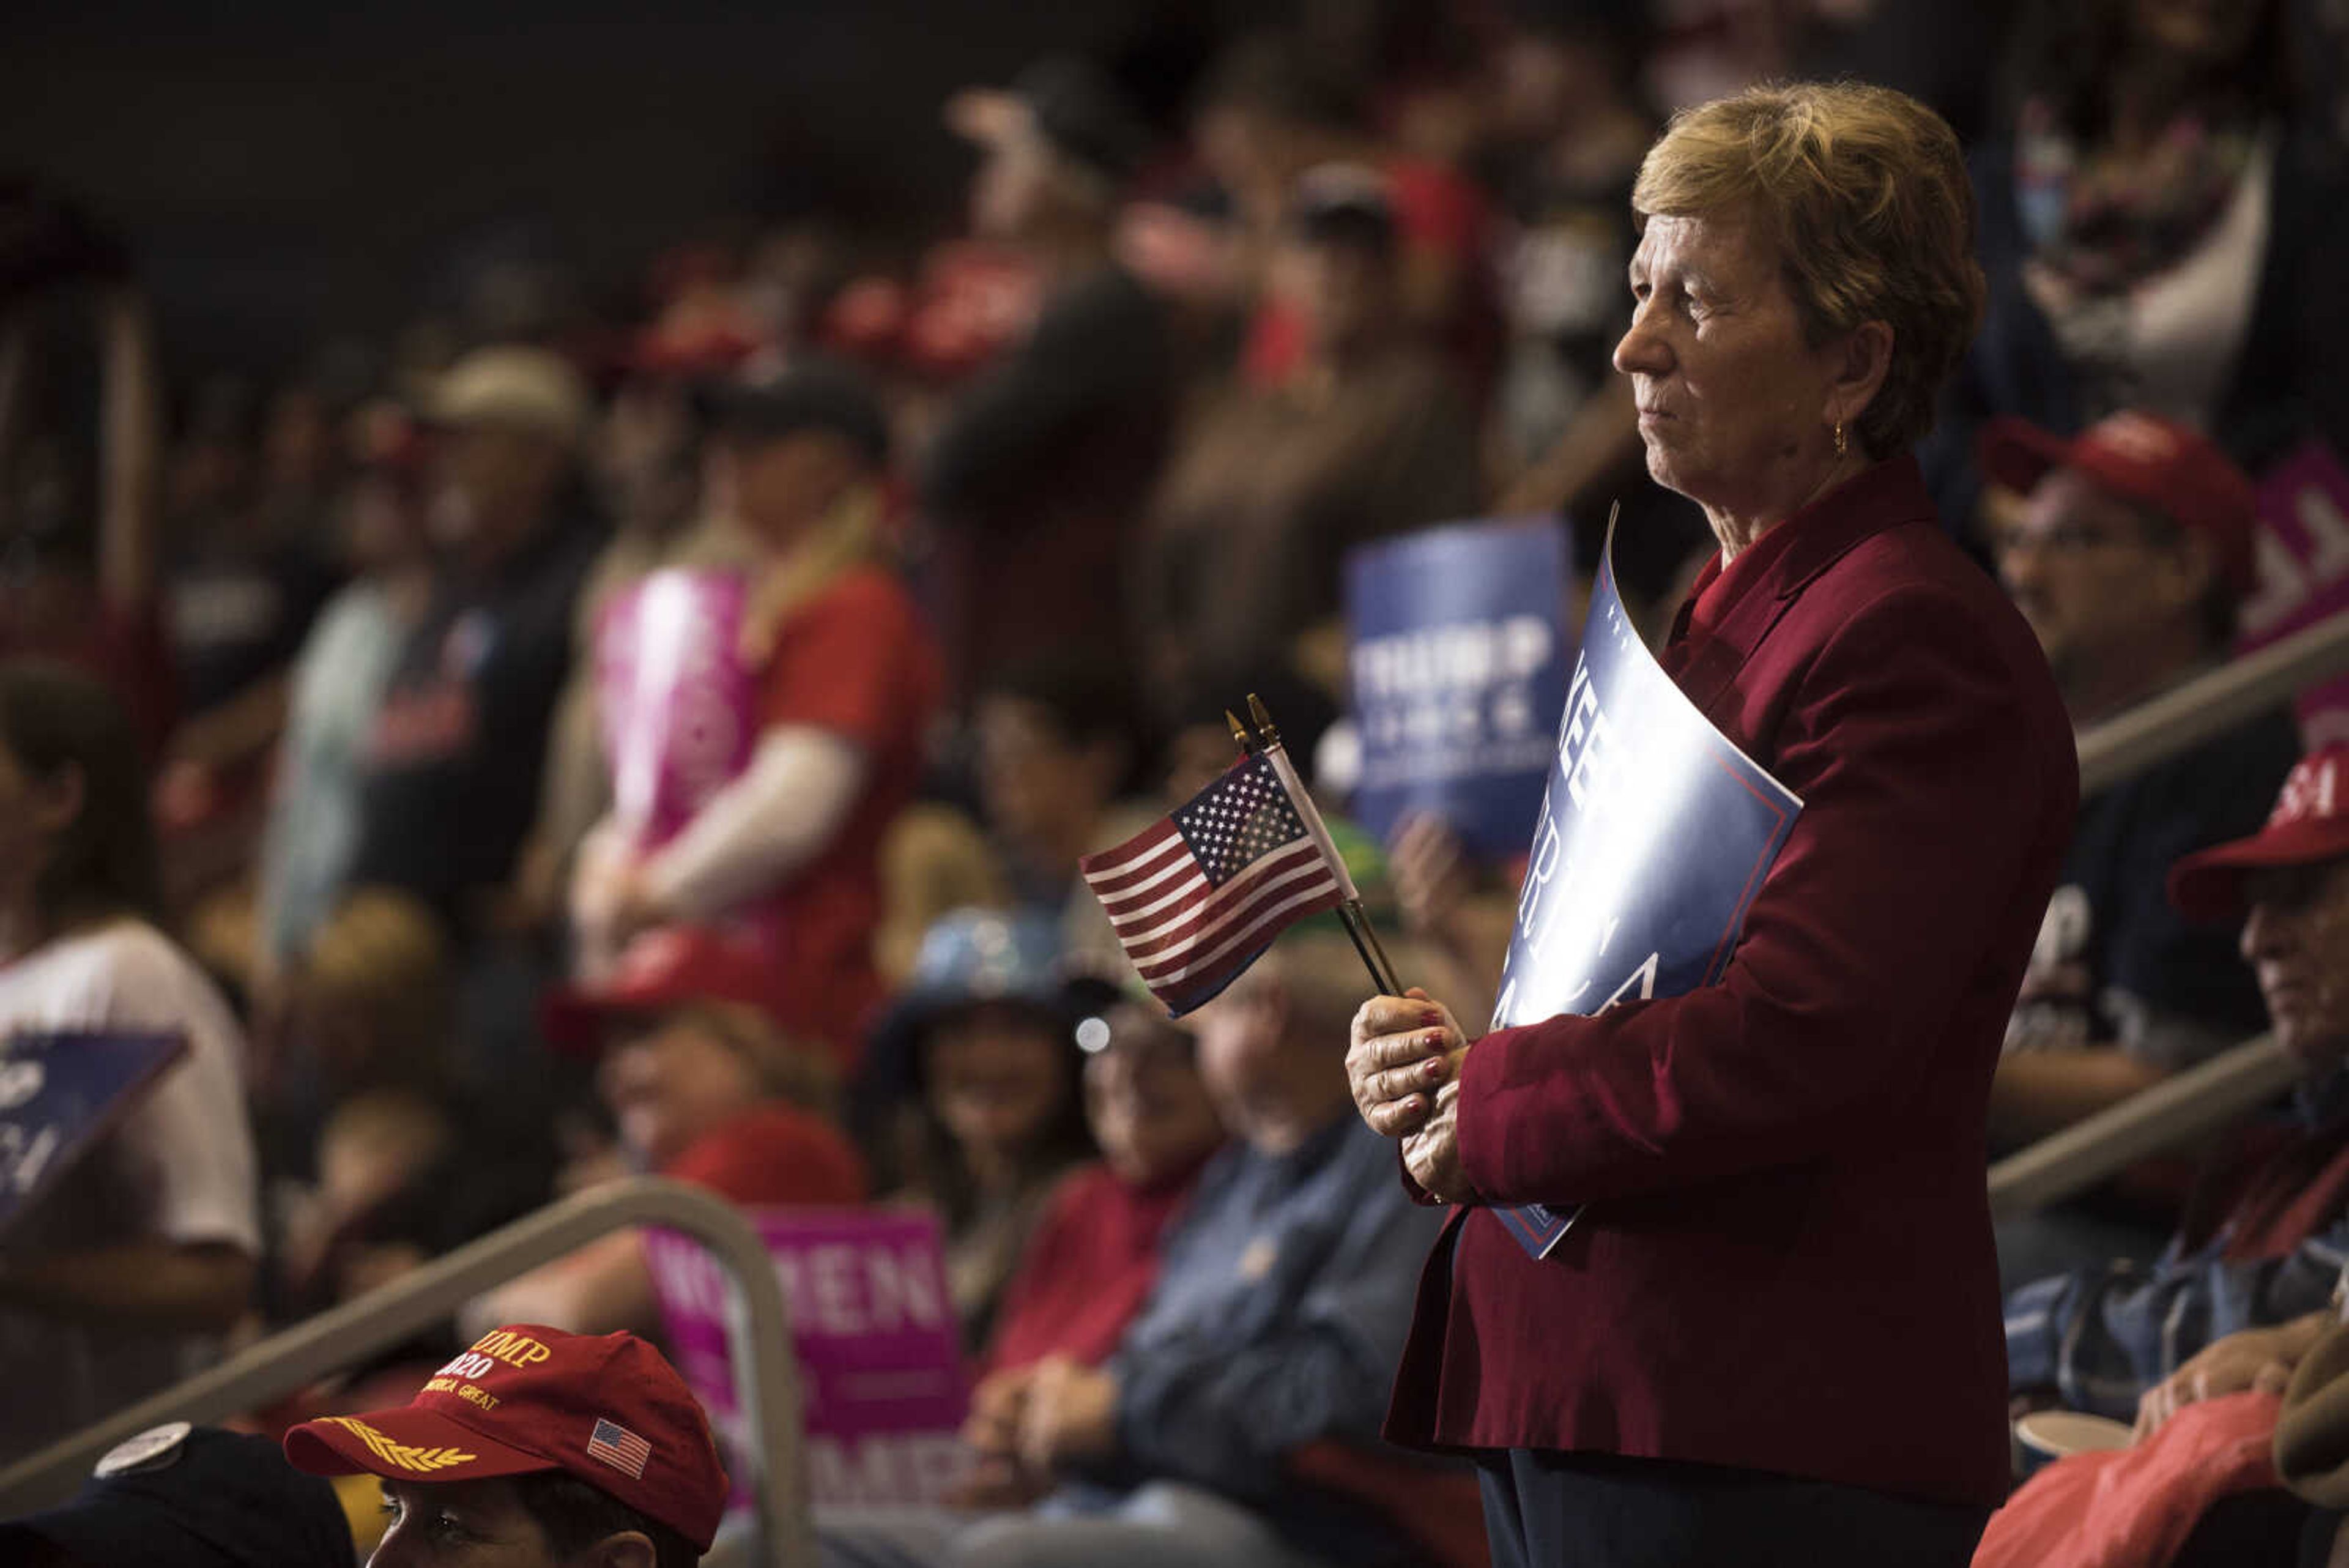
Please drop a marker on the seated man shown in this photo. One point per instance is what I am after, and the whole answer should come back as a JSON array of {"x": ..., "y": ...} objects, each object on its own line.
[
  {"x": 1093, "y": 1257},
  {"x": 704, "y": 1087},
  {"x": 448, "y": 769},
  {"x": 2128, "y": 555},
  {"x": 2262, "y": 1243},
  {"x": 1282, "y": 1300},
  {"x": 535, "y": 1448},
  {"x": 2129, "y": 552}
]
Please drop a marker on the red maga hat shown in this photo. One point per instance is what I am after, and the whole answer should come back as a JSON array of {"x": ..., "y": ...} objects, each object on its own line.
[
  {"x": 608, "y": 1410},
  {"x": 2310, "y": 823},
  {"x": 662, "y": 969},
  {"x": 2148, "y": 459}
]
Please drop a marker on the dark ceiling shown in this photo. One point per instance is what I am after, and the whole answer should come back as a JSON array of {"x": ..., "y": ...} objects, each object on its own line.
[{"x": 284, "y": 168}]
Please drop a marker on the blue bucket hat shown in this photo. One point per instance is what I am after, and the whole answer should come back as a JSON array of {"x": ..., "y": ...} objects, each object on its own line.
[
  {"x": 983, "y": 955},
  {"x": 967, "y": 957}
]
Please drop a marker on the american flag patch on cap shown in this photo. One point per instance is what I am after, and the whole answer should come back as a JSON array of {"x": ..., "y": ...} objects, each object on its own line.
[{"x": 619, "y": 1448}]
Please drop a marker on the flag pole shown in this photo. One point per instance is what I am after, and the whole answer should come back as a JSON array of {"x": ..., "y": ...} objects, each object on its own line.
[{"x": 1266, "y": 740}]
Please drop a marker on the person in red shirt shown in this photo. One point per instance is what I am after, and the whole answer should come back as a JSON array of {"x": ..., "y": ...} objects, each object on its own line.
[
  {"x": 704, "y": 1087},
  {"x": 1095, "y": 1254},
  {"x": 849, "y": 677},
  {"x": 2207, "y": 1339}
]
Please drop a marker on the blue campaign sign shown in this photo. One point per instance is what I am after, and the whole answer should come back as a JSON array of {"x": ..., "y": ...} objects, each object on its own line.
[
  {"x": 59, "y": 1093},
  {"x": 1654, "y": 834},
  {"x": 1459, "y": 666}
]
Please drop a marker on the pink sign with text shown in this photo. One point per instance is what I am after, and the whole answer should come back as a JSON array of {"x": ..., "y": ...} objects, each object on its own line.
[
  {"x": 873, "y": 1327},
  {"x": 678, "y": 704},
  {"x": 2303, "y": 558}
]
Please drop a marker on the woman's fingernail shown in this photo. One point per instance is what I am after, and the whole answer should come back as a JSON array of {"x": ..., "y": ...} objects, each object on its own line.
[
  {"x": 1432, "y": 1019},
  {"x": 1434, "y": 1070}
]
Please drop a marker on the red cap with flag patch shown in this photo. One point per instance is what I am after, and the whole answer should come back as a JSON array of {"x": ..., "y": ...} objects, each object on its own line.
[
  {"x": 609, "y": 1410},
  {"x": 664, "y": 968},
  {"x": 2310, "y": 823}
]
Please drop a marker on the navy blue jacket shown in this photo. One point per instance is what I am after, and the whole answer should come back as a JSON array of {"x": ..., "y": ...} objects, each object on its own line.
[
  {"x": 2102, "y": 1336},
  {"x": 1282, "y": 1301}
]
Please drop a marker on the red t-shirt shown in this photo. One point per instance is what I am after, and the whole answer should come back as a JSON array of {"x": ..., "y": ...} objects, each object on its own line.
[
  {"x": 1088, "y": 1268},
  {"x": 856, "y": 660},
  {"x": 773, "y": 1156}
]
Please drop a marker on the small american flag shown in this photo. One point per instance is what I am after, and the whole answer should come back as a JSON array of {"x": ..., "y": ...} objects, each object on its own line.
[
  {"x": 1194, "y": 897},
  {"x": 619, "y": 1448}
]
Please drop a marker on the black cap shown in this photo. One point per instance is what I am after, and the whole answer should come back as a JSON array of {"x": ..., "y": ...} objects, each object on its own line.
[
  {"x": 810, "y": 395},
  {"x": 195, "y": 1496}
]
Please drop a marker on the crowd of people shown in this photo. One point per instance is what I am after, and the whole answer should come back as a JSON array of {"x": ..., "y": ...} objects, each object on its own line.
[{"x": 549, "y": 749}]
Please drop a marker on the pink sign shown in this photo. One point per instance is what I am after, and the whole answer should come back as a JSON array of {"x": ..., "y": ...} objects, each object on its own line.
[
  {"x": 2303, "y": 579},
  {"x": 677, "y": 703},
  {"x": 880, "y": 1360}
]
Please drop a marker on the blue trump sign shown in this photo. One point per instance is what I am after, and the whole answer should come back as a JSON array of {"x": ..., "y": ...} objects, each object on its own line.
[
  {"x": 1654, "y": 834},
  {"x": 1459, "y": 657},
  {"x": 58, "y": 1093}
]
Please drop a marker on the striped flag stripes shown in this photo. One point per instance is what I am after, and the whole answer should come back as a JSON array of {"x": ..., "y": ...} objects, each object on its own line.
[{"x": 1197, "y": 895}]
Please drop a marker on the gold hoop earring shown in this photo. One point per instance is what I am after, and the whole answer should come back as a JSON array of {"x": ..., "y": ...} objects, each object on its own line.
[{"x": 1842, "y": 444}]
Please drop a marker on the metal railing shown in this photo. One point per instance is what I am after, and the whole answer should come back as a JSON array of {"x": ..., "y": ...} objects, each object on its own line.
[
  {"x": 2160, "y": 727},
  {"x": 766, "y": 1377},
  {"x": 2215, "y": 1093},
  {"x": 2205, "y": 1097}
]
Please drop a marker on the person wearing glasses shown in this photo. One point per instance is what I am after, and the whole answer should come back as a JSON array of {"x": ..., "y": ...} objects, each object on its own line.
[{"x": 2128, "y": 548}]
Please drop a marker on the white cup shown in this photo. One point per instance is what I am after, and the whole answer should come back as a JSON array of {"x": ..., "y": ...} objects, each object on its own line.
[{"x": 2044, "y": 1435}]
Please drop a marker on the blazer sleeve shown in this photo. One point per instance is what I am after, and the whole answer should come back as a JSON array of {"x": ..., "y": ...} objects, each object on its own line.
[{"x": 1925, "y": 804}]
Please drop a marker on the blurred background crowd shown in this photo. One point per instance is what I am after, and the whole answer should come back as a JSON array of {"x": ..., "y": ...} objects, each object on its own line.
[{"x": 1031, "y": 376}]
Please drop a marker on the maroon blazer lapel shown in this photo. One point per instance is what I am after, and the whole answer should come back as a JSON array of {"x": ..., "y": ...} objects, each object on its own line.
[{"x": 1703, "y": 664}]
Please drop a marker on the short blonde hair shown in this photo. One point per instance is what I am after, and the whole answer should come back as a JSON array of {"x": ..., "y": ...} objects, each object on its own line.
[{"x": 1863, "y": 191}]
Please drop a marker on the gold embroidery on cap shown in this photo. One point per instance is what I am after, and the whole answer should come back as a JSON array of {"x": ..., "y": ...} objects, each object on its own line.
[{"x": 407, "y": 1456}]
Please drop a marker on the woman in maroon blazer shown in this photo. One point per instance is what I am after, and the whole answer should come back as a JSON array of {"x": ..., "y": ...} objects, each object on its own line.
[{"x": 1774, "y": 1335}]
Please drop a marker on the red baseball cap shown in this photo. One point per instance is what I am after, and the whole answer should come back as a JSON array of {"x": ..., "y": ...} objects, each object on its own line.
[
  {"x": 661, "y": 969},
  {"x": 2174, "y": 470},
  {"x": 2310, "y": 823},
  {"x": 609, "y": 1410}
]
